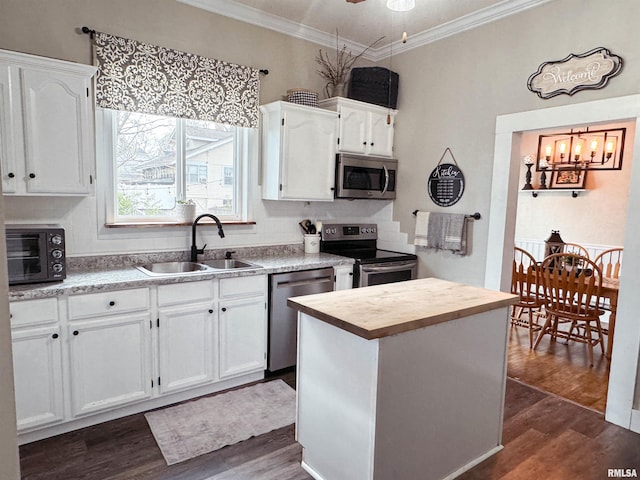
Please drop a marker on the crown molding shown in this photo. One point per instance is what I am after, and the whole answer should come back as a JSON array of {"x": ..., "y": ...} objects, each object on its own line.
[{"x": 243, "y": 13}]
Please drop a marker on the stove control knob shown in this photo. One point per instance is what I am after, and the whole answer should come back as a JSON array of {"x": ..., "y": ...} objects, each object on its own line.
[
  {"x": 373, "y": 229},
  {"x": 57, "y": 267},
  {"x": 363, "y": 230}
]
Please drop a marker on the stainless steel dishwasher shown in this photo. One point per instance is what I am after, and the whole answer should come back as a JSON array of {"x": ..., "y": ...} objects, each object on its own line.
[{"x": 283, "y": 320}]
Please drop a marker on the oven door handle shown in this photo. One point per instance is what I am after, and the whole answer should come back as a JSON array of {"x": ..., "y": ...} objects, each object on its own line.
[
  {"x": 389, "y": 267},
  {"x": 386, "y": 179}
]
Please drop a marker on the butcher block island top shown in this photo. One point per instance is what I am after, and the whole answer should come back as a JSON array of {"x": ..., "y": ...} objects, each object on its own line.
[{"x": 383, "y": 310}]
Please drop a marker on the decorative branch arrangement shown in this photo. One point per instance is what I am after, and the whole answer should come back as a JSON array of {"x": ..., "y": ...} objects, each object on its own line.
[{"x": 336, "y": 71}]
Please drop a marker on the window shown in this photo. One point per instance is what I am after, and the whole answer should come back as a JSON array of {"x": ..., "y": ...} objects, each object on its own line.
[
  {"x": 227, "y": 175},
  {"x": 158, "y": 161}
]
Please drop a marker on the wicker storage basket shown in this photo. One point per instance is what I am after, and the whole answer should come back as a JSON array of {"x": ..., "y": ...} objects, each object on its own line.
[
  {"x": 303, "y": 97},
  {"x": 375, "y": 85}
]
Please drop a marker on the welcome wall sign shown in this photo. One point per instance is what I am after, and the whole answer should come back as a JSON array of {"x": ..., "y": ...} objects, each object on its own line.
[{"x": 590, "y": 70}]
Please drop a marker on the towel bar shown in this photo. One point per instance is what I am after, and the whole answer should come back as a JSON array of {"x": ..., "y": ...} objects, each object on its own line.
[{"x": 475, "y": 216}]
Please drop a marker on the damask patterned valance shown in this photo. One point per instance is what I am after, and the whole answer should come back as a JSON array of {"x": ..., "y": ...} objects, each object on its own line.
[{"x": 145, "y": 78}]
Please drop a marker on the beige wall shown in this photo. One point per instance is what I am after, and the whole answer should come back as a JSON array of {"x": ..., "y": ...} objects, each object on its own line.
[
  {"x": 9, "y": 461},
  {"x": 452, "y": 90}
]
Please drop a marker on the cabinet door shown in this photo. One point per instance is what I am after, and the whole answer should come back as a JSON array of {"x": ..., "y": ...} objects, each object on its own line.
[
  {"x": 37, "y": 372},
  {"x": 308, "y": 155},
  {"x": 110, "y": 360},
  {"x": 9, "y": 134},
  {"x": 185, "y": 336},
  {"x": 243, "y": 336},
  {"x": 353, "y": 130},
  {"x": 381, "y": 134},
  {"x": 57, "y": 127},
  {"x": 344, "y": 277}
]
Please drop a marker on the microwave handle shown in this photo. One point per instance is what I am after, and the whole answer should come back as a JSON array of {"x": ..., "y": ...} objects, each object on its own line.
[{"x": 386, "y": 179}]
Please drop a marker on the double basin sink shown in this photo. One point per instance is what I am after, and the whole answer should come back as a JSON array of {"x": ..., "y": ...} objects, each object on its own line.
[{"x": 186, "y": 268}]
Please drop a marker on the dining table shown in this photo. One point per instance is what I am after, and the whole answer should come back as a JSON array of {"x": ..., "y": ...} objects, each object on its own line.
[{"x": 609, "y": 290}]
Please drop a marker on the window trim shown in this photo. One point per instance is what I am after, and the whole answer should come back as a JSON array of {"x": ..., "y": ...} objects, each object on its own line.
[{"x": 106, "y": 190}]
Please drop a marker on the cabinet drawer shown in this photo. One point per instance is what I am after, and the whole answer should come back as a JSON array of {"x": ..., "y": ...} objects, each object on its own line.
[
  {"x": 106, "y": 303},
  {"x": 185, "y": 293},
  {"x": 243, "y": 286},
  {"x": 34, "y": 312}
]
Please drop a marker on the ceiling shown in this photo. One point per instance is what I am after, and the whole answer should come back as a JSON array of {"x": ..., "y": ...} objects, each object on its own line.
[{"x": 360, "y": 24}]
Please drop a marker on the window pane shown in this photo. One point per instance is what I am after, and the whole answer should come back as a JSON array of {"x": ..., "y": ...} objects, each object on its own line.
[
  {"x": 210, "y": 155},
  {"x": 145, "y": 167}
]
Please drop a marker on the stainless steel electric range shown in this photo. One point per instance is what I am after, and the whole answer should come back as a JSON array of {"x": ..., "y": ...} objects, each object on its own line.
[{"x": 373, "y": 266}]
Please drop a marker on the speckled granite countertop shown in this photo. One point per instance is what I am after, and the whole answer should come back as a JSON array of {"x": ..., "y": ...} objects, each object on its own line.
[{"x": 129, "y": 277}]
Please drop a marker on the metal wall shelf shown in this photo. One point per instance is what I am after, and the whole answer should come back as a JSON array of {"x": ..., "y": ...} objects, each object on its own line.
[{"x": 574, "y": 191}]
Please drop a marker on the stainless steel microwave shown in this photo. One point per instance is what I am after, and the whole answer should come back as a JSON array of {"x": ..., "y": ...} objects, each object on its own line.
[
  {"x": 35, "y": 253},
  {"x": 360, "y": 176}
]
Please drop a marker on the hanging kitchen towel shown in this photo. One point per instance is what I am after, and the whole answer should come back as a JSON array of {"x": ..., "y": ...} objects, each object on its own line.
[
  {"x": 422, "y": 229},
  {"x": 444, "y": 231}
]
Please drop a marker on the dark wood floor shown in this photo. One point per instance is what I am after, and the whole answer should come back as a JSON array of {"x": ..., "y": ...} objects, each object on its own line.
[
  {"x": 544, "y": 437},
  {"x": 559, "y": 368}
]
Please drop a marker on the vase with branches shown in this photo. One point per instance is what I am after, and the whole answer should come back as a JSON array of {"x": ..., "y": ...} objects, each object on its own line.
[{"x": 335, "y": 70}]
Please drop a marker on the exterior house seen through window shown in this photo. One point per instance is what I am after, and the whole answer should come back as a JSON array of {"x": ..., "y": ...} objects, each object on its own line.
[{"x": 159, "y": 161}]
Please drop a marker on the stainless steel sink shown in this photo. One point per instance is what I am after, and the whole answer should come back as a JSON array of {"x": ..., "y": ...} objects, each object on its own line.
[
  {"x": 173, "y": 268},
  {"x": 230, "y": 264},
  {"x": 189, "y": 268}
]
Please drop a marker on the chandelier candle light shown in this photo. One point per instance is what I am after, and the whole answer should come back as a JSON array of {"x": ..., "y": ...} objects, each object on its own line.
[
  {"x": 583, "y": 149},
  {"x": 528, "y": 162}
]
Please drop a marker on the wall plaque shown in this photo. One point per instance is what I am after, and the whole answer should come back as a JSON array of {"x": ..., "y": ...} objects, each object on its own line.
[
  {"x": 590, "y": 70},
  {"x": 446, "y": 182}
]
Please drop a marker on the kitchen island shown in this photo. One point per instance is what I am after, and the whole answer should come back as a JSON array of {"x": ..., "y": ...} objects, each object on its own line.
[{"x": 403, "y": 380}]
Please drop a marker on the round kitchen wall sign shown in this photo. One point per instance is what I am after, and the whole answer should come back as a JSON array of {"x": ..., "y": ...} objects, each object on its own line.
[{"x": 446, "y": 184}]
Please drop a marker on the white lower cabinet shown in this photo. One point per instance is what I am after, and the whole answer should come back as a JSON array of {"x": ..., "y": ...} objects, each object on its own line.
[
  {"x": 81, "y": 359},
  {"x": 37, "y": 363},
  {"x": 242, "y": 325},
  {"x": 242, "y": 336},
  {"x": 110, "y": 360},
  {"x": 185, "y": 335},
  {"x": 344, "y": 277},
  {"x": 109, "y": 336},
  {"x": 37, "y": 366}
]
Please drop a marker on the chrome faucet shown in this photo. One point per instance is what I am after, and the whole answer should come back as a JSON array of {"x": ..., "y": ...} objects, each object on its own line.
[{"x": 194, "y": 249}]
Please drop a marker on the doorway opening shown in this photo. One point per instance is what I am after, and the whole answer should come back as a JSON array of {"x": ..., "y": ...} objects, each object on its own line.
[{"x": 510, "y": 129}]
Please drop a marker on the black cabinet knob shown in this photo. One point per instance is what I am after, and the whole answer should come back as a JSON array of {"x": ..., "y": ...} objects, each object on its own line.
[
  {"x": 11, "y": 175},
  {"x": 224, "y": 309},
  {"x": 76, "y": 332},
  {"x": 372, "y": 144},
  {"x": 210, "y": 310},
  {"x": 364, "y": 143},
  {"x": 32, "y": 175},
  {"x": 112, "y": 303},
  {"x": 55, "y": 335}
]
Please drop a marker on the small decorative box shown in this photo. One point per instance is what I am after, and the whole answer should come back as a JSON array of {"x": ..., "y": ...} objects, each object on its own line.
[{"x": 303, "y": 97}]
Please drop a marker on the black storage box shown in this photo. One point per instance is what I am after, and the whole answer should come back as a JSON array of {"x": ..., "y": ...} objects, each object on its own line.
[{"x": 377, "y": 85}]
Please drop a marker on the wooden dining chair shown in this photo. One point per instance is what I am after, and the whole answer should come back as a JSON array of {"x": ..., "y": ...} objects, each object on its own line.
[
  {"x": 576, "y": 249},
  {"x": 572, "y": 293},
  {"x": 524, "y": 283},
  {"x": 610, "y": 262}
]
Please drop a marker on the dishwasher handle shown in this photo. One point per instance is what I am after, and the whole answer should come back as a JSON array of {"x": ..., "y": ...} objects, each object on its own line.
[{"x": 306, "y": 281}]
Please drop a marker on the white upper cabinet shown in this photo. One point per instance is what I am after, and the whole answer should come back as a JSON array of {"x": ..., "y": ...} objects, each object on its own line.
[
  {"x": 363, "y": 128},
  {"x": 47, "y": 142},
  {"x": 298, "y": 152}
]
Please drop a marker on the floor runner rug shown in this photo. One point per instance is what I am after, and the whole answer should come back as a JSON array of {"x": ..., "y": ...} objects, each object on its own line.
[{"x": 193, "y": 428}]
